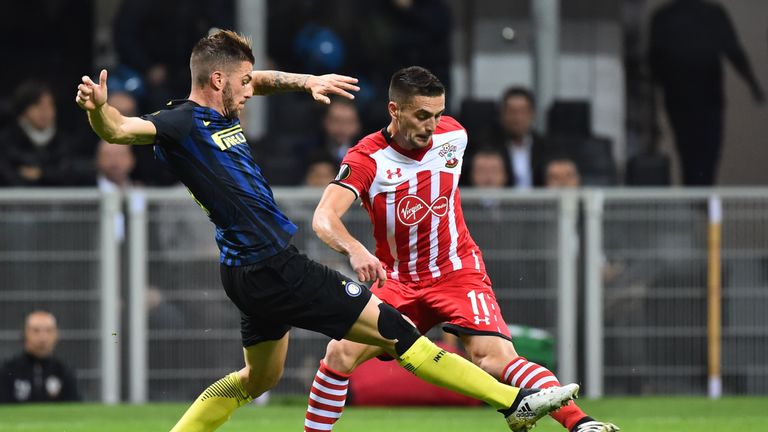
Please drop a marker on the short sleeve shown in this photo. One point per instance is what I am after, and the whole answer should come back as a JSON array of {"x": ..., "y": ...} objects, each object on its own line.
[
  {"x": 357, "y": 172},
  {"x": 172, "y": 125}
]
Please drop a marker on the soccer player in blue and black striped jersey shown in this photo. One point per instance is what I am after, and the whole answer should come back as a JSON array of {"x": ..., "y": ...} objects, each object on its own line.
[{"x": 273, "y": 286}]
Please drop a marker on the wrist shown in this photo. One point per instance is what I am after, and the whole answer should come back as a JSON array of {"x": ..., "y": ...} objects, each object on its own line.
[
  {"x": 100, "y": 109},
  {"x": 356, "y": 249},
  {"x": 307, "y": 83}
]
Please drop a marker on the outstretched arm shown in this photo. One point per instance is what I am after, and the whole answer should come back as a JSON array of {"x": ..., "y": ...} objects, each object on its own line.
[
  {"x": 330, "y": 229},
  {"x": 107, "y": 121},
  {"x": 269, "y": 82},
  {"x": 735, "y": 53}
]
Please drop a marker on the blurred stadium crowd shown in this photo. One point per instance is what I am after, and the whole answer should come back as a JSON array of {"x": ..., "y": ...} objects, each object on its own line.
[{"x": 46, "y": 142}]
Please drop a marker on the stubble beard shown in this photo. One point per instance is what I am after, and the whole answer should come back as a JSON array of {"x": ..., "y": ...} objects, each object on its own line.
[{"x": 231, "y": 111}]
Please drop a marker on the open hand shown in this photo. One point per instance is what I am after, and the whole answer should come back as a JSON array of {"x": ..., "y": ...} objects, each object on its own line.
[
  {"x": 325, "y": 85},
  {"x": 90, "y": 95}
]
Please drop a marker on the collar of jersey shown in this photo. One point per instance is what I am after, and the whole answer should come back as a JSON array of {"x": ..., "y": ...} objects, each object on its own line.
[
  {"x": 209, "y": 110},
  {"x": 415, "y": 154}
]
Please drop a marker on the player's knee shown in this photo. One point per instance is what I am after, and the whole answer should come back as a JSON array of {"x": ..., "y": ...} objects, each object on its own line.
[
  {"x": 256, "y": 384},
  {"x": 341, "y": 356},
  {"x": 392, "y": 325}
]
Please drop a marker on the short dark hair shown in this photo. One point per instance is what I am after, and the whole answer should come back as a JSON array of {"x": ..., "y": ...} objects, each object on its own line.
[
  {"x": 414, "y": 81},
  {"x": 517, "y": 91},
  {"x": 489, "y": 150},
  {"x": 29, "y": 93},
  {"x": 340, "y": 101},
  {"x": 218, "y": 50},
  {"x": 559, "y": 157}
]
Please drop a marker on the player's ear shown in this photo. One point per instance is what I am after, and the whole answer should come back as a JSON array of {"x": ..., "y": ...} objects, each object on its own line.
[
  {"x": 217, "y": 80},
  {"x": 393, "y": 109}
]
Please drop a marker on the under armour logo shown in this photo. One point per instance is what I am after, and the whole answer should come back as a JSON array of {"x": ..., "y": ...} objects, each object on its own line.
[
  {"x": 486, "y": 320},
  {"x": 391, "y": 173}
]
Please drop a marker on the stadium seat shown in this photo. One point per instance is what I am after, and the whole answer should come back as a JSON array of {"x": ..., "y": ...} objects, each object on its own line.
[
  {"x": 478, "y": 116},
  {"x": 570, "y": 135}
]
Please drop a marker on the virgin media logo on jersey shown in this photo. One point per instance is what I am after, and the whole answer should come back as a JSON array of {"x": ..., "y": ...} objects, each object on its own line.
[{"x": 411, "y": 209}]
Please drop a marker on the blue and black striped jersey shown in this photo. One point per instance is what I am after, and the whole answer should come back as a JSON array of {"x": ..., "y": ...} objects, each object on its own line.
[{"x": 209, "y": 154}]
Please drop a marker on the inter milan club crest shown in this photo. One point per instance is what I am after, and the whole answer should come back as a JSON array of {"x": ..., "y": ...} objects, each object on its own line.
[
  {"x": 352, "y": 289},
  {"x": 449, "y": 153}
]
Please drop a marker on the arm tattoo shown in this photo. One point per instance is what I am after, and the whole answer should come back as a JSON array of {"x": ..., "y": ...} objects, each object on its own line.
[{"x": 276, "y": 81}]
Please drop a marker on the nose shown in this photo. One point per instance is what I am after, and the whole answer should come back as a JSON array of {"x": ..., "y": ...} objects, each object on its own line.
[{"x": 431, "y": 125}]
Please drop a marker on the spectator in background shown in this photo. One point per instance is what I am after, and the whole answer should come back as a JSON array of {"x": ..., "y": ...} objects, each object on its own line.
[
  {"x": 561, "y": 172},
  {"x": 341, "y": 130},
  {"x": 37, "y": 151},
  {"x": 688, "y": 40},
  {"x": 35, "y": 375},
  {"x": 41, "y": 43},
  {"x": 488, "y": 168},
  {"x": 114, "y": 165},
  {"x": 147, "y": 170},
  {"x": 513, "y": 135},
  {"x": 321, "y": 170}
]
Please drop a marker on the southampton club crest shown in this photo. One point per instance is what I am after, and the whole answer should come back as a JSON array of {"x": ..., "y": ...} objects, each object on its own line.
[{"x": 448, "y": 151}]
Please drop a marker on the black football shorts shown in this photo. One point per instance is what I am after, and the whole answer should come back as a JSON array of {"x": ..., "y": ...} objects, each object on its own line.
[{"x": 290, "y": 290}]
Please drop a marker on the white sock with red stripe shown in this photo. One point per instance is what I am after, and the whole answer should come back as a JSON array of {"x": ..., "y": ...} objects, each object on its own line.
[
  {"x": 522, "y": 373},
  {"x": 326, "y": 399}
]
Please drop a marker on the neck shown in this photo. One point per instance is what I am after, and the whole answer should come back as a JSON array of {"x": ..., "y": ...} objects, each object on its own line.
[
  {"x": 517, "y": 141},
  {"x": 205, "y": 97},
  {"x": 397, "y": 137}
]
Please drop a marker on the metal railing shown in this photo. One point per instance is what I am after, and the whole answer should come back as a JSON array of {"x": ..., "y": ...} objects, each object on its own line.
[{"x": 134, "y": 281}]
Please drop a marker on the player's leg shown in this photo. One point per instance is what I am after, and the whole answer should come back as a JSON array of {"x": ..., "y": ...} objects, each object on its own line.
[
  {"x": 498, "y": 357},
  {"x": 470, "y": 308},
  {"x": 328, "y": 394},
  {"x": 326, "y": 301},
  {"x": 263, "y": 368},
  {"x": 382, "y": 325}
]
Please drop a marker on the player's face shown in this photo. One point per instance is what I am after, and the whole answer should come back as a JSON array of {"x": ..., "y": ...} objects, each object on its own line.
[
  {"x": 237, "y": 90},
  {"x": 417, "y": 120}
]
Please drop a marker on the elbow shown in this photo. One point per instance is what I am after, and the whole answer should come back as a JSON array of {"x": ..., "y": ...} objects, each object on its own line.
[
  {"x": 119, "y": 139},
  {"x": 317, "y": 222},
  {"x": 120, "y": 136},
  {"x": 320, "y": 222}
]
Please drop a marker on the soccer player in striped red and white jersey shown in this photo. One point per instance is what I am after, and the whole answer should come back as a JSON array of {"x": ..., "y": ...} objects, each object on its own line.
[{"x": 407, "y": 177}]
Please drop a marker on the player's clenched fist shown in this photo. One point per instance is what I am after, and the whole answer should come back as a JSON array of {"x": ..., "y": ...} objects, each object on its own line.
[
  {"x": 367, "y": 267},
  {"x": 91, "y": 95}
]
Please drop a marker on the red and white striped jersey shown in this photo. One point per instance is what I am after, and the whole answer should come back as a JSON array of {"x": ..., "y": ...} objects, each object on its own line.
[{"x": 412, "y": 198}]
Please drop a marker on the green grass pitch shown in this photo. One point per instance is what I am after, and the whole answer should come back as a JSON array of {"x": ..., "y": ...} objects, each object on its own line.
[{"x": 631, "y": 414}]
